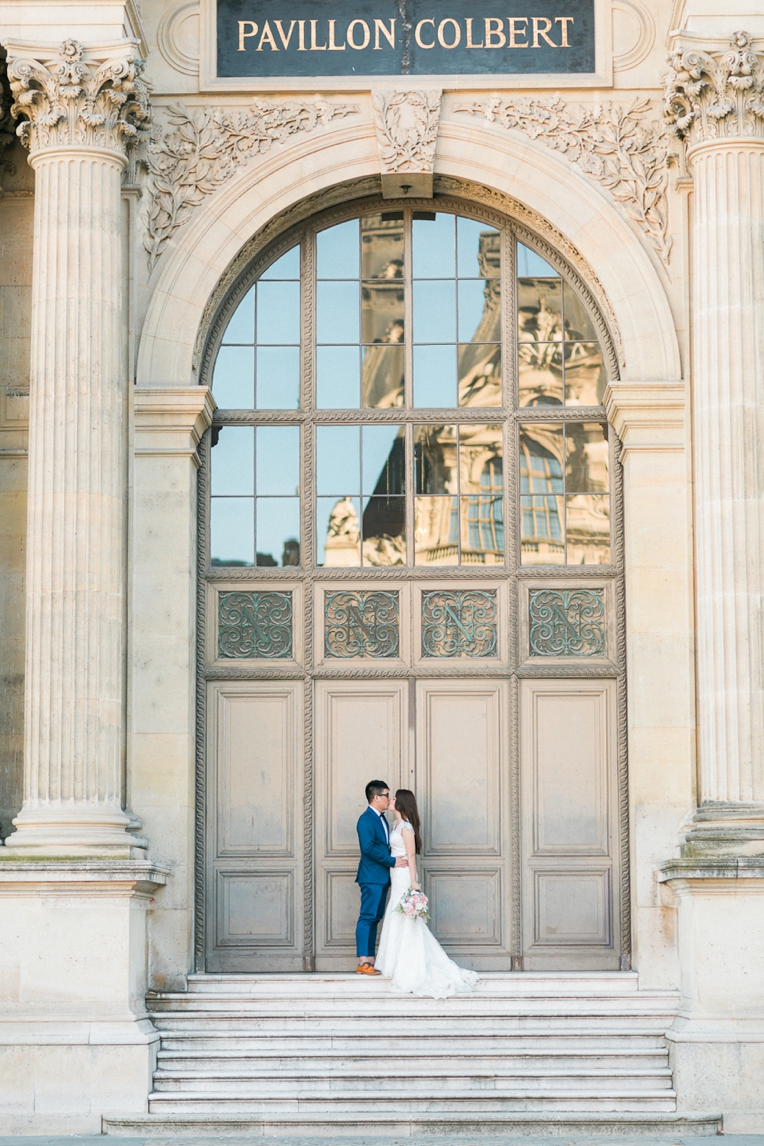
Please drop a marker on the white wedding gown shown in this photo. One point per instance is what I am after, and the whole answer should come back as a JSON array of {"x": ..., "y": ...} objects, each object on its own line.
[{"x": 408, "y": 952}]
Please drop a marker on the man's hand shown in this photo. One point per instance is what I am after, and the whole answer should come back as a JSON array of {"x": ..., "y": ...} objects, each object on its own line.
[{"x": 401, "y": 862}]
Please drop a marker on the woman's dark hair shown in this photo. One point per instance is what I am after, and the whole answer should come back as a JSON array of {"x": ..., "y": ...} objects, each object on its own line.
[{"x": 405, "y": 803}]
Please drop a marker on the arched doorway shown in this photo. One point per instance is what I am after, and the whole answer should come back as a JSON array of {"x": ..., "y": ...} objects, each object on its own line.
[{"x": 409, "y": 542}]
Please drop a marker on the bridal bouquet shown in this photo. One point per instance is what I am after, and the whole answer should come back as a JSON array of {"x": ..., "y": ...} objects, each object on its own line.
[{"x": 414, "y": 903}]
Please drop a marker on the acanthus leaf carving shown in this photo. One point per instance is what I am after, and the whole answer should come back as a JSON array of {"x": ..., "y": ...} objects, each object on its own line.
[
  {"x": 407, "y": 129},
  {"x": 75, "y": 100},
  {"x": 620, "y": 148},
  {"x": 205, "y": 147},
  {"x": 715, "y": 96}
]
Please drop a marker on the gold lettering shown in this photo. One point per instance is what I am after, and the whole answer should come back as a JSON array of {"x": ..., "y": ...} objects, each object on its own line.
[
  {"x": 285, "y": 39},
  {"x": 246, "y": 35},
  {"x": 332, "y": 46},
  {"x": 468, "y": 22},
  {"x": 267, "y": 37},
  {"x": 301, "y": 34},
  {"x": 512, "y": 20},
  {"x": 351, "y": 35},
  {"x": 494, "y": 36},
  {"x": 379, "y": 26},
  {"x": 442, "y": 34},
  {"x": 417, "y": 33},
  {"x": 564, "y": 20},
  {"x": 543, "y": 32},
  {"x": 314, "y": 47}
]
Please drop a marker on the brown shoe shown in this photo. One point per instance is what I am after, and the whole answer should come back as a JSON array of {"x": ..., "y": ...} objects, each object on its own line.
[{"x": 367, "y": 969}]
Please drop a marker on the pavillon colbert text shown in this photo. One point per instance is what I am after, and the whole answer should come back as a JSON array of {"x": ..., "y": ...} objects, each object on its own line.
[{"x": 448, "y": 32}]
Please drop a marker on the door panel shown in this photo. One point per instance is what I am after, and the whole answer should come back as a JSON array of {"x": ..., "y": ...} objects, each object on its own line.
[{"x": 568, "y": 776}]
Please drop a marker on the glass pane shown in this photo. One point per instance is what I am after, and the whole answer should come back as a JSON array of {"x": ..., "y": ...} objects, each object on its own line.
[
  {"x": 480, "y": 454},
  {"x": 433, "y": 245},
  {"x": 479, "y": 375},
  {"x": 241, "y": 327},
  {"x": 478, "y": 248},
  {"x": 434, "y": 311},
  {"x": 479, "y": 310},
  {"x": 383, "y": 456},
  {"x": 278, "y": 531},
  {"x": 278, "y": 460},
  {"x": 541, "y": 459},
  {"x": 540, "y": 379},
  {"x": 338, "y": 531},
  {"x": 287, "y": 267},
  {"x": 233, "y": 461},
  {"x": 529, "y": 263},
  {"x": 233, "y": 383},
  {"x": 578, "y": 325},
  {"x": 337, "y": 312},
  {"x": 278, "y": 378},
  {"x": 539, "y": 310},
  {"x": 384, "y": 531},
  {"x": 541, "y": 540},
  {"x": 278, "y": 313},
  {"x": 435, "y": 459},
  {"x": 382, "y": 311},
  {"x": 587, "y": 527},
  {"x": 338, "y": 461},
  {"x": 382, "y": 246},
  {"x": 337, "y": 251},
  {"x": 482, "y": 528},
  {"x": 232, "y": 530},
  {"x": 436, "y": 531},
  {"x": 584, "y": 374},
  {"x": 586, "y": 458},
  {"x": 382, "y": 377},
  {"x": 434, "y": 376},
  {"x": 337, "y": 377}
]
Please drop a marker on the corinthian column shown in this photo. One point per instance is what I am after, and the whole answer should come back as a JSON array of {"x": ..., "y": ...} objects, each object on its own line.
[
  {"x": 715, "y": 102},
  {"x": 78, "y": 113}
]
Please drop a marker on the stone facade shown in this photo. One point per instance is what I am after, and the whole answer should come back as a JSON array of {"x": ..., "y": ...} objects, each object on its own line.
[{"x": 133, "y": 196}]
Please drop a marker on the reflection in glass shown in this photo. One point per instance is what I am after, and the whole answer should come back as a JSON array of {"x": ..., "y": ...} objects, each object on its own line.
[
  {"x": 336, "y": 377},
  {"x": 338, "y": 460},
  {"x": 530, "y": 264},
  {"x": 278, "y": 377},
  {"x": 383, "y": 460},
  {"x": 433, "y": 253},
  {"x": 278, "y": 313},
  {"x": 540, "y": 373},
  {"x": 541, "y": 539},
  {"x": 337, "y": 306},
  {"x": 382, "y": 377},
  {"x": 384, "y": 531},
  {"x": 541, "y": 459},
  {"x": 382, "y": 311},
  {"x": 233, "y": 382},
  {"x": 482, "y": 521},
  {"x": 382, "y": 246},
  {"x": 232, "y": 531},
  {"x": 587, "y": 528},
  {"x": 278, "y": 531},
  {"x": 586, "y": 458},
  {"x": 241, "y": 327},
  {"x": 436, "y": 531},
  {"x": 578, "y": 325},
  {"x": 287, "y": 267},
  {"x": 337, "y": 251},
  {"x": 338, "y": 531},
  {"x": 233, "y": 462},
  {"x": 478, "y": 249},
  {"x": 539, "y": 310},
  {"x": 434, "y": 310},
  {"x": 479, "y": 368},
  {"x": 278, "y": 461},
  {"x": 479, "y": 446},
  {"x": 584, "y": 374},
  {"x": 435, "y": 459},
  {"x": 434, "y": 376},
  {"x": 479, "y": 310}
]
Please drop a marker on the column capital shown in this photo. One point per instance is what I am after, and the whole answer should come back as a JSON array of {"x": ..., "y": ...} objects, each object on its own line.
[
  {"x": 647, "y": 415},
  {"x": 79, "y": 97},
  {"x": 713, "y": 94}
]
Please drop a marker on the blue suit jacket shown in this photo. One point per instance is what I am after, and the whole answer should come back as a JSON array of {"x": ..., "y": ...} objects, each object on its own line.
[{"x": 376, "y": 860}]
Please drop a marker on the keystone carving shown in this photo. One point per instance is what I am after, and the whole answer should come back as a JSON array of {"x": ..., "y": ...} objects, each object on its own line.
[
  {"x": 621, "y": 149},
  {"x": 719, "y": 96},
  {"x": 206, "y": 147},
  {"x": 69, "y": 101},
  {"x": 407, "y": 130}
]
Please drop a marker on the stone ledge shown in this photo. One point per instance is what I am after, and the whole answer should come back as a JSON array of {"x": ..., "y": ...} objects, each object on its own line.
[
  {"x": 719, "y": 867},
  {"x": 140, "y": 876}
]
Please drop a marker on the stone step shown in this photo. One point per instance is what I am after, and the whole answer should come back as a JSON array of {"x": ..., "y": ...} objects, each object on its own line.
[
  {"x": 490, "y": 983},
  {"x": 486, "y": 1041},
  {"x": 230, "y": 1063},
  {"x": 615, "y": 1026}
]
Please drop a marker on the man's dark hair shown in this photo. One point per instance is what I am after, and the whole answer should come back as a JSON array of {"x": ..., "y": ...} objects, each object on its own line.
[{"x": 375, "y": 788}]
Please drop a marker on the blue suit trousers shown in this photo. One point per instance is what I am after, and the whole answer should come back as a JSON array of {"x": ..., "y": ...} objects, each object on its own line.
[{"x": 373, "y": 899}]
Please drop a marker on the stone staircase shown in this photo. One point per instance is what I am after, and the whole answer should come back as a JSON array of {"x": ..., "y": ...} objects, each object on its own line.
[{"x": 338, "y": 1054}]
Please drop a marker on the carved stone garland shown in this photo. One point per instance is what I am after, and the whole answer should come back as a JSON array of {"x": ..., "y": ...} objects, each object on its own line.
[
  {"x": 619, "y": 148},
  {"x": 205, "y": 149},
  {"x": 719, "y": 96},
  {"x": 406, "y": 124}
]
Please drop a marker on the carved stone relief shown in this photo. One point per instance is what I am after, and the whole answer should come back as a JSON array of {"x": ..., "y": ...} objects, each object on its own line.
[
  {"x": 622, "y": 149},
  {"x": 407, "y": 129},
  {"x": 715, "y": 96},
  {"x": 633, "y": 23},
  {"x": 178, "y": 37},
  {"x": 204, "y": 147}
]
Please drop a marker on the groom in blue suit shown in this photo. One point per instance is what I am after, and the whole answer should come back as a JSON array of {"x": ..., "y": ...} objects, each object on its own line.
[{"x": 373, "y": 873}]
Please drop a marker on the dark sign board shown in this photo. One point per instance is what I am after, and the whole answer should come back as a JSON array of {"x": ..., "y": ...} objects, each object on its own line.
[{"x": 304, "y": 38}]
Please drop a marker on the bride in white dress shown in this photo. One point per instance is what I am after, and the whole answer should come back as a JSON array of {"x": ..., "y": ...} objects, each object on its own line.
[{"x": 408, "y": 952}]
